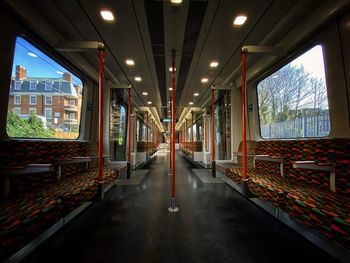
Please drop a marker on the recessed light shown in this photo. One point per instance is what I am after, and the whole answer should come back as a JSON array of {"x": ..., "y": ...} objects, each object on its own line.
[
  {"x": 144, "y": 93},
  {"x": 191, "y": 103},
  {"x": 239, "y": 20},
  {"x": 129, "y": 62},
  {"x": 176, "y": 1},
  {"x": 138, "y": 79},
  {"x": 171, "y": 69},
  {"x": 170, "y": 88},
  {"x": 196, "y": 94},
  {"x": 149, "y": 102},
  {"x": 107, "y": 15},
  {"x": 204, "y": 80},
  {"x": 214, "y": 64},
  {"x": 32, "y": 54}
]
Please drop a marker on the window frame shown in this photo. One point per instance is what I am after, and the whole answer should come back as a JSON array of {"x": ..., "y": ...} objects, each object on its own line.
[
  {"x": 17, "y": 108},
  {"x": 48, "y": 109},
  {"x": 14, "y": 99},
  {"x": 42, "y": 46},
  {"x": 20, "y": 85},
  {"x": 30, "y": 99},
  {"x": 31, "y": 109},
  {"x": 295, "y": 54},
  {"x": 47, "y": 85},
  {"x": 31, "y": 84},
  {"x": 46, "y": 97}
]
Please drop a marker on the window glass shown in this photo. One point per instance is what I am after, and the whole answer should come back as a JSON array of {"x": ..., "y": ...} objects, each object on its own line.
[
  {"x": 39, "y": 80},
  {"x": 293, "y": 101},
  {"x": 32, "y": 99}
]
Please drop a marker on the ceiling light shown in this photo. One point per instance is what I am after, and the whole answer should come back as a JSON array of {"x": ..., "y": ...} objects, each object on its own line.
[
  {"x": 214, "y": 64},
  {"x": 138, "y": 79},
  {"x": 275, "y": 76},
  {"x": 149, "y": 102},
  {"x": 191, "y": 103},
  {"x": 144, "y": 93},
  {"x": 204, "y": 80},
  {"x": 32, "y": 54},
  {"x": 59, "y": 72},
  {"x": 129, "y": 62},
  {"x": 170, "y": 88},
  {"x": 196, "y": 94},
  {"x": 176, "y": 1},
  {"x": 107, "y": 15},
  {"x": 239, "y": 20},
  {"x": 171, "y": 69}
]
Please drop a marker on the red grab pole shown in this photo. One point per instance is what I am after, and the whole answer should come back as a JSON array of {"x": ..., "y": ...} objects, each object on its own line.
[
  {"x": 128, "y": 173},
  {"x": 100, "y": 116},
  {"x": 173, "y": 207},
  {"x": 129, "y": 125},
  {"x": 172, "y": 133},
  {"x": 147, "y": 136},
  {"x": 244, "y": 132},
  {"x": 213, "y": 165}
]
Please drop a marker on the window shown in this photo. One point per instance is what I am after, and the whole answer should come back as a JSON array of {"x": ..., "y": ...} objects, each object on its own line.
[
  {"x": 48, "y": 100},
  {"x": 48, "y": 113},
  {"x": 32, "y": 100},
  {"x": 32, "y": 85},
  {"x": 17, "y": 99},
  {"x": 33, "y": 72},
  {"x": 17, "y": 110},
  {"x": 293, "y": 101},
  {"x": 32, "y": 111},
  {"x": 72, "y": 115},
  {"x": 18, "y": 85},
  {"x": 48, "y": 85}
]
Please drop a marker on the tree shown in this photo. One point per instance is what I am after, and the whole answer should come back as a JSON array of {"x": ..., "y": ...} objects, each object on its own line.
[
  {"x": 290, "y": 93},
  {"x": 32, "y": 127}
]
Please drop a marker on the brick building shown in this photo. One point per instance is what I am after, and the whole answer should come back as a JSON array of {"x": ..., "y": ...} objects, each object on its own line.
[{"x": 56, "y": 99}]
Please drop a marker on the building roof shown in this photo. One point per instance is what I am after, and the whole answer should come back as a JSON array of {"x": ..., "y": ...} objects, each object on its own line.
[{"x": 59, "y": 87}]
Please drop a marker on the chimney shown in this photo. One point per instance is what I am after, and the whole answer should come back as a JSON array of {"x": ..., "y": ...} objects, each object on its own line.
[
  {"x": 67, "y": 76},
  {"x": 21, "y": 72},
  {"x": 79, "y": 90}
]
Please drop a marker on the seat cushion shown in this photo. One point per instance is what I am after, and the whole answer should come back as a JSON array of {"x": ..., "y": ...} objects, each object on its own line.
[
  {"x": 323, "y": 210},
  {"x": 23, "y": 219},
  {"x": 75, "y": 190},
  {"x": 270, "y": 187}
]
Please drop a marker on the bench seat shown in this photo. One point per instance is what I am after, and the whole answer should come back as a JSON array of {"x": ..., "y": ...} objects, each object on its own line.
[
  {"x": 23, "y": 219},
  {"x": 322, "y": 210}
]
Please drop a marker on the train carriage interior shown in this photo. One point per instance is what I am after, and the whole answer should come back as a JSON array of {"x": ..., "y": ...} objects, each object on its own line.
[{"x": 175, "y": 131}]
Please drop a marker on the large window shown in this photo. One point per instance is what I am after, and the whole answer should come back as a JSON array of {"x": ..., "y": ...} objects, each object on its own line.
[
  {"x": 293, "y": 101},
  {"x": 39, "y": 80}
]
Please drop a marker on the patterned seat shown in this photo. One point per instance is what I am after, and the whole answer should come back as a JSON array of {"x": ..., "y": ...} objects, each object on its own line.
[
  {"x": 324, "y": 211},
  {"x": 23, "y": 219}
]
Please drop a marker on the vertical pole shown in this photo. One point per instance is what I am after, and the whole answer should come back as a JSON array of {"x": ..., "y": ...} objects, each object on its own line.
[
  {"x": 244, "y": 124},
  {"x": 100, "y": 117},
  {"x": 147, "y": 137},
  {"x": 213, "y": 165},
  {"x": 192, "y": 141},
  {"x": 129, "y": 136},
  {"x": 173, "y": 207},
  {"x": 100, "y": 121}
]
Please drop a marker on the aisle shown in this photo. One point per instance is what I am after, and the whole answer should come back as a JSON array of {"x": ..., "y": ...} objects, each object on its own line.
[{"x": 215, "y": 224}]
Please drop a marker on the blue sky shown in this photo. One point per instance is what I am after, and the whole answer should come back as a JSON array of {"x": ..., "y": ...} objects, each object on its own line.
[{"x": 37, "y": 63}]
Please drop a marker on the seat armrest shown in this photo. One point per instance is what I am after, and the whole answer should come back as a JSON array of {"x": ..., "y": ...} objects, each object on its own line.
[{"x": 312, "y": 165}]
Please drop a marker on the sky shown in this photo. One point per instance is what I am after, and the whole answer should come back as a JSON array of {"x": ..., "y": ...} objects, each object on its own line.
[
  {"x": 312, "y": 61},
  {"x": 37, "y": 63}
]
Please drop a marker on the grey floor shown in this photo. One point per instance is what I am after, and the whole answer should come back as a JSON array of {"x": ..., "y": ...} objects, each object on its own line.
[{"x": 214, "y": 224}]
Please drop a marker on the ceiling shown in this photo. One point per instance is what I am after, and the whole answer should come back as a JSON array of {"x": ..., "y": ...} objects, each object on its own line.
[{"x": 147, "y": 30}]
